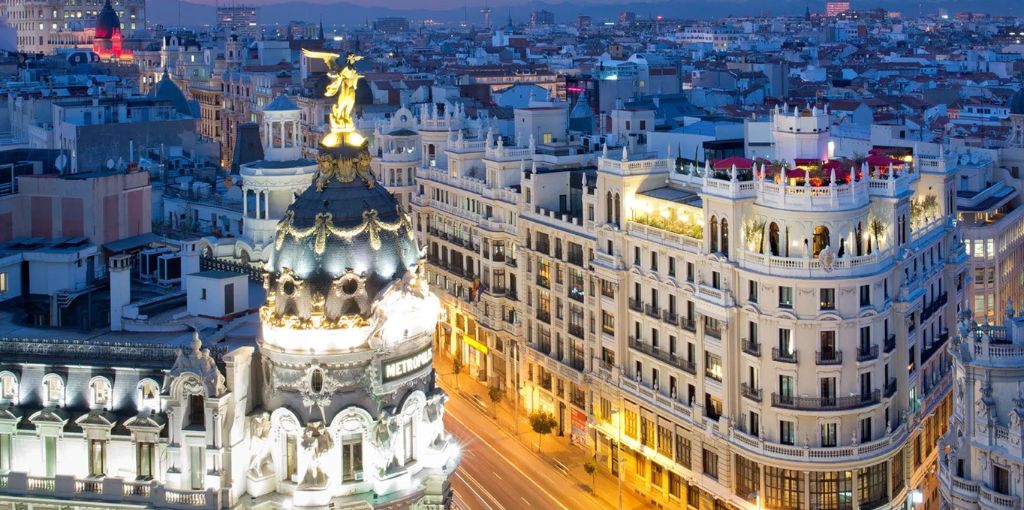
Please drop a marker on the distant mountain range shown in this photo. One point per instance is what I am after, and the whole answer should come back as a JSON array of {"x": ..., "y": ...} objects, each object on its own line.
[{"x": 174, "y": 12}]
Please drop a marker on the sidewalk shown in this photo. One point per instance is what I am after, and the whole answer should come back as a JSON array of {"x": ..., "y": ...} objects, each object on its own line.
[{"x": 555, "y": 450}]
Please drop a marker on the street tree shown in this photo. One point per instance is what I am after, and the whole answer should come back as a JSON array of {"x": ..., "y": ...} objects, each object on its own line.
[
  {"x": 495, "y": 394},
  {"x": 542, "y": 423},
  {"x": 591, "y": 468}
]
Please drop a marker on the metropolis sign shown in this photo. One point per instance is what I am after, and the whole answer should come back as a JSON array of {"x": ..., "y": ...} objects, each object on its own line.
[{"x": 402, "y": 367}]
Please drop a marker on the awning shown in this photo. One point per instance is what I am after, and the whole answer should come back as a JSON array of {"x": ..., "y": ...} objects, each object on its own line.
[{"x": 474, "y": 344}]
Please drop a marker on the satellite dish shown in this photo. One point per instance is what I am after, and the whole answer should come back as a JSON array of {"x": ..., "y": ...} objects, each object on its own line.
[
  {"x": 61, "y": 163},
  {"x": 110, "y": 164}
]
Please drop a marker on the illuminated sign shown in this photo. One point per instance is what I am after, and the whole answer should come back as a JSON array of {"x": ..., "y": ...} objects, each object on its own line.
[{"x": 401, "y": 367}]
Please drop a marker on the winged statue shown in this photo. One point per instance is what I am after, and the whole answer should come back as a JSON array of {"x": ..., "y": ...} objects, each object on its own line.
[{"x": 344, "y": 79}]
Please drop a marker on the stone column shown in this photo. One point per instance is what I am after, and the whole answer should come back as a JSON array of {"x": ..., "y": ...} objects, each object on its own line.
[{"x": 258, "y": 204}]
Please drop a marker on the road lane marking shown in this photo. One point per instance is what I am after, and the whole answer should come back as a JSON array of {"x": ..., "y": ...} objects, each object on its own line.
[
  {"x": 496, "y": 475},
  {"x": 509, "y": 462},
  {"x": 525, "y": 501},
  {"x": 471, "y": 482},
  {"x": 469, "y": 486}
]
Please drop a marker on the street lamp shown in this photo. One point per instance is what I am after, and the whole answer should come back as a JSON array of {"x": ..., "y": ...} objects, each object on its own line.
[
  {"x": 618, "y": 453},
  {"x": 915, "y": 498}
]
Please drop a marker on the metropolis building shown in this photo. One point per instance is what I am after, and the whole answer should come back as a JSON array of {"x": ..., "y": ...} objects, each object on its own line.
[
  {"x": 327, "y": 399},
  {"x": 741, "y": 334}
]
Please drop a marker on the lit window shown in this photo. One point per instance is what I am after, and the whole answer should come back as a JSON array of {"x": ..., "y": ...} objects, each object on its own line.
[{"x": 3, "y": 283}]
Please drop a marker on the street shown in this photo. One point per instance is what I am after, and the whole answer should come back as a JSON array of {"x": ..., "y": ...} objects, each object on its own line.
[{"x": 498, "y": 472}]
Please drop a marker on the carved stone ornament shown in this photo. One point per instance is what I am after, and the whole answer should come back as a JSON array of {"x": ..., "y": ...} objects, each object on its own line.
[
  {"x": 316, "y": 442},
  {"x": 260, "y": 464},
  {"x": 200, "y": 363},
  {"x": 826, "y": 259}
]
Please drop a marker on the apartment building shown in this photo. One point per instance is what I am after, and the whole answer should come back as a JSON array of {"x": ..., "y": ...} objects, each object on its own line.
[{"x": 755, "y": 335}]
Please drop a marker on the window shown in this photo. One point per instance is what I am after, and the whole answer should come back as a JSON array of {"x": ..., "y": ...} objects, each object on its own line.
[
  {"x": 54, "y": 390},
  {"x": 1000, "y": 480},
  {"x": 689, "y": 272},
  {"x": 196, "y": 411},
  {"x": 8, "y": 387},
  {"x": 872, "y": 486},
  {"x": 675, "y": 485},
  {"x": 748, "y": 478},
  {"x": 97, "y": 457},
  {"x": 683, "y": 451},
  {"x": 5, "y": 453},
  {"x": 607, "y": 289},
  {"x": 713, "y": 366},
  {"x": 716, "y": 280},
  {"x": 783, "y": 488},
  {"x": 672, "y": 266},
  {"x": 831, "y": 490},
  {"x": 785, "y": 297},
  {"x": 786, "y": 341},
  {"x": 291, "y": 460},
  {"x": 865, "y": 295},
  {"x": 144, "y": 460},
  {"x": 50, "y": 455},
  {"x": 787, "y": 431},
  {"x": 755, "y": 424},
  {"x": 865, "y": 429},
  {"x": 785, "y": 387},
  {"x": 710, "y": 463},
  {"x": 827, "y": 345},
  {"x": 664, "y": 441},
  {"x": 3, "y": 283},
  {"x": 828, "y": 435},
  {"x": 827, "y": 299},
  {"x": 202, "y": 294},
  {"x": 896, "y": 471},
  {"x": 752, "y": 291},
  {"x": 629, "y": 423},
  {"x": 713, "y": 407},
  {"x": 100, "y": 392}
]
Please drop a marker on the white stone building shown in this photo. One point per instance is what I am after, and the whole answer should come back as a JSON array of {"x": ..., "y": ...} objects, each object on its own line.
[
  {"x": 328, "y": 400},
  {"x": 770, "y": 336},
  {"x": 981, "y": 456}
]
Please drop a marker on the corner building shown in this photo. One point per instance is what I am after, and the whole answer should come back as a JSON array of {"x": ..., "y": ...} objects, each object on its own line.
[{"x": 750, "y": 333}]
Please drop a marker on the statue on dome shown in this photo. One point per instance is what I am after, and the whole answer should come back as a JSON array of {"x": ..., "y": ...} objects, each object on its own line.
[{"x": 344, "y": 80}]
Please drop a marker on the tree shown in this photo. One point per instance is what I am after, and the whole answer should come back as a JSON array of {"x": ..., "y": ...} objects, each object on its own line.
[
  {"x": 457, "y": 369},
  {"x": 495, "y": 394},
  {"x": 542, "y": 423},
  {"x": 591, "y": 468}
]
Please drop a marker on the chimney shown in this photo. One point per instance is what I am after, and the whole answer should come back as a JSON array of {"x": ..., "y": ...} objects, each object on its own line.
[
  {"x": 120, "y": 288},
  {"x": 189, "y": 260}
]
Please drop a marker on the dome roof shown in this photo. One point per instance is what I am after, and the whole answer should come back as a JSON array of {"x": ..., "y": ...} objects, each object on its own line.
[
  {"x": 107, "y": 22},
  {"x": 167, "y": 90},
  {"x": 344, "y": 230},
  {"x": 1017, "y": 103}
]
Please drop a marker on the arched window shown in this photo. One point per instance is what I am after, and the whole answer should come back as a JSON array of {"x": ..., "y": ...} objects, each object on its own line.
[
  {"x": 714, "y": 234},
  {"x": 8, "y": 387},
  {"x": 725, "y": 237},
  {"x": 149, "y": 394},
  {"x": 99, "y": 392},
  {"x": 773, "y": 238},
  {"x": 858, "y": 240},
  {"x": 618, "y": 211},
  {"x": 821, "y": 239},
  {"x": 53, "y": 390}
]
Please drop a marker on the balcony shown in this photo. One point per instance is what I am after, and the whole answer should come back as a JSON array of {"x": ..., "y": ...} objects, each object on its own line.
[
  {"x": 750, "y": 392},
  {"x": 934, "y": 306},
  {"x": 890, "y": 343},
  {"x": 890, "y": 388},
  {"x": 937, "y": 344},
  {"x": 544, "y": 281},
  {"x": 833, "y": 357},
  {"x": 825, "y": 403},
  {"x": 636, "y": 305},
  {"x": 784, "y": 357},
  {"x": 544, "y": 316},
  {"x": 751, "y": 348},
  {"x": 867, "y": 354},
  {"x": 576, "y": 331},
  {"x": 654, "y": 352},
  {"x": 670, "y": 317},
  {"x": 688, "y": 324},
  {"x": 652, "y": 311}
]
